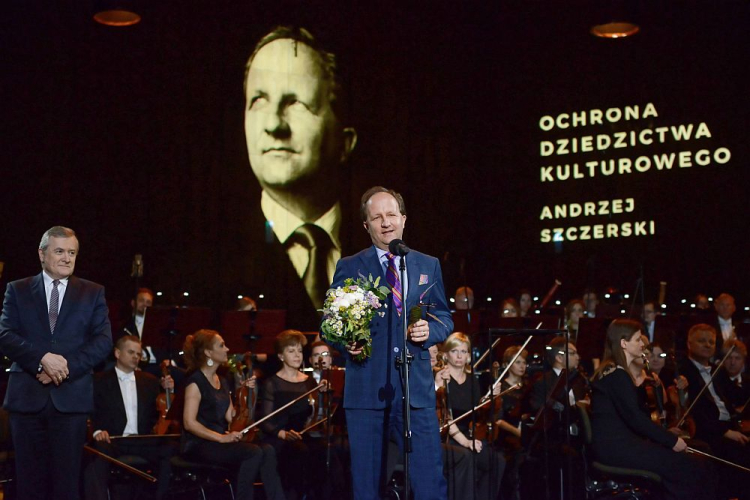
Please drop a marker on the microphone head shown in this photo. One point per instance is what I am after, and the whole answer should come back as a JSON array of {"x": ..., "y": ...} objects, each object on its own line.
[{"x": 398, "y": 247}]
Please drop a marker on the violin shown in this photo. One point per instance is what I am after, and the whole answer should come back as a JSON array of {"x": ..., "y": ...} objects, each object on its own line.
[
  {"x": 163, "y": 403},
  {"x": 677, "y": 397},
  {"x": 245, "y": 401},
  {"x": 654, "y": 394}
]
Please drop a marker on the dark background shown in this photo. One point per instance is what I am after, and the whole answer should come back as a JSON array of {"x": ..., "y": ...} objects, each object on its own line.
[{"x": 134, "y": 137}]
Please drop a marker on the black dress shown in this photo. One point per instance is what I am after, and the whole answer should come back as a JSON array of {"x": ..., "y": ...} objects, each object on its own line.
[
  {"x": 623, "y": 436},
  {"x": 301, "y": 463},
  {"x": 490, "y": 464},
  {"x": 247, "y": 458}
]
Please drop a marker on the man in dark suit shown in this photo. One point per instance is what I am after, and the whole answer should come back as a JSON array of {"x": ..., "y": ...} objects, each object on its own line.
[
  {"x": 712, "y": 412},
  {"x": 732, "y": 379},
  {"x": 125, "y": 405},
  {"x": 724, "y": 323},
  {"x": 297, "y": 143},
  {"x": 55, "y": 329},
  {"x": 662, "y": 336},
  {"x": 373, "y": 392}
]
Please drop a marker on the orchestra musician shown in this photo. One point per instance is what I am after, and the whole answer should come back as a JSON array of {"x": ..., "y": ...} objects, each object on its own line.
[
  {"x": 623, "y": 436},
  {"x": 463, "y": 395},
  {"x": 207, "y": 414},
  {"x": 712, "y": 413},
  {"x": 457, "y": 462},
  {"x": 301, "y": 459},
  {"x": 731, "y": 379},
  {"x": 125, "y": 405},
  {"x": 515, "y": 408}
]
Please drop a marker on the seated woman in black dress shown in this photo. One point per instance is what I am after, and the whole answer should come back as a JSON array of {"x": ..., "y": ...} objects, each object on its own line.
[
  {"x": 207, "y": 414},
  {"x": 623, "y": 436},
  {"x": 515, "y": 406},
  {"x": 301, "y": 458},
  {"x": 464, "y": 394}
]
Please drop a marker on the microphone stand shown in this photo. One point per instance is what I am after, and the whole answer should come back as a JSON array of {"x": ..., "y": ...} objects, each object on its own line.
[{"x": 403, "y": 361}]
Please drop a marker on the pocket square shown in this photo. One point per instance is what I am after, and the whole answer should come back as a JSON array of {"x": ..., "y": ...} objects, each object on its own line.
[{"x": 423, "y": 279}]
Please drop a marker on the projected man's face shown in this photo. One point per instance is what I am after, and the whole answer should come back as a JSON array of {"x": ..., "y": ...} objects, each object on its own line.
[{"x": 291, "y": 131}]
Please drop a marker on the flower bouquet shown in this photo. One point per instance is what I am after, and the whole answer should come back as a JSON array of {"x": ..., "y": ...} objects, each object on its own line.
[{"x": 348, "y": 311}]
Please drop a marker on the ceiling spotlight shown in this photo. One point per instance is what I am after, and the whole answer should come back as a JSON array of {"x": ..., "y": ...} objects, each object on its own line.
[
  {"x": 116, "y": 13},
  {"x": 615, "y": 30},
  {"x": 617, "y": 19}
]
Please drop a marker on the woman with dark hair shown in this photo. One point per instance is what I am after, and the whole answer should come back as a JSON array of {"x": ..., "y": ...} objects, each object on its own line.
[
  {"x": 623, "y": 436},
  {"x": 525, "y": 302},
  {"x": 515, "y": 405},
  {"x": 207, "y": 414},
  {"x": 302, "y": 459}
]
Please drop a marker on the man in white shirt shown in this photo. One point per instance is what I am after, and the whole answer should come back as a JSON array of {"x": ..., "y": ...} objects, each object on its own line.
[
  {"x": 725, "y": 327},
  {"x": 125, "y": 405},
  {"x": 732, "y": 379}
]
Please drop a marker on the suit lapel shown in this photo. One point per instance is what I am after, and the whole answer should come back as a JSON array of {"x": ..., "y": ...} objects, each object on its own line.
[
  {"x": 412, "y": 294},
  {"x": 39, "y": 298},
  {"x": 72, "y": 295}
]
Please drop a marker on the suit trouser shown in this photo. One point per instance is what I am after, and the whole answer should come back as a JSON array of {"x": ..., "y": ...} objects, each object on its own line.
[
  {"x": 48, "y": 446},
  {"x": 369, "y": 434}
]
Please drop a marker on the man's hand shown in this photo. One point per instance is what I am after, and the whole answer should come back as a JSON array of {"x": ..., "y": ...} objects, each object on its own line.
[
  {"x": 681, "y": 382},
  {"x": 680, "y": 445},
  {"x": 102, "y": 436},
  {"x": 55, "y": 366},
  {"x": 736, "y": 436},
  {"x": 353, "y": 350},
  {"x": 43, "y": 378},
  {"x": 419, "y": 331},
  {"x": 167, "y": 383}
]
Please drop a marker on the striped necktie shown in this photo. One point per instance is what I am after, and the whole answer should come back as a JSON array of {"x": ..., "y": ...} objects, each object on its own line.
[
  {"x": 391, "y": 275},
  {"x": 54, "y": 305}
]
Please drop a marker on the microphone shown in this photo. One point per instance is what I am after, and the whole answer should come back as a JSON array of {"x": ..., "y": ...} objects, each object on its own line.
[{"x": 398, "y": 247}]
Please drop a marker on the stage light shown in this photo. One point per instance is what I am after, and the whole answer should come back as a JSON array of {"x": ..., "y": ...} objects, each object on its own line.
[
  {"x": 538, "y": 311},
  {"x": 626, "y": 296},
  {"x": 617, "y": 18},
  {"x": 710, "y": 299},
  {"x": 117, "y": 13},
  {"x": 536, "y": 298},
  {"x": 489, "y": 299},
  {"x": 664, "y": 306},
  {"x": 606, "y": 295},
  {"x": 452, "y": 299},
  {"x": 186, "y": 294},
  {"x": 557, "y": 302},
  {"x": 622, "y": 311},
  {"x": 692, "y": 306},
  {"x": 240, "y": 297},
  {"x": 261, "y": 296},
  {"x": 683, "y": 301},
  {"x": 159, "y": 294}
]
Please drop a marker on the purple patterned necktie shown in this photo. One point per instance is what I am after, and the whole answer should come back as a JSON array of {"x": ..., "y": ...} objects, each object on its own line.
[
  {"x": 54, "y": 305},
  {"x": 391, "y": 275}
]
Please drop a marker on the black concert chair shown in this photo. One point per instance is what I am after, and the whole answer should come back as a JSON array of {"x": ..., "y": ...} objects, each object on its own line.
[
  {"x": 188, "y": 475},
  {"x": 604, "y": 481}
]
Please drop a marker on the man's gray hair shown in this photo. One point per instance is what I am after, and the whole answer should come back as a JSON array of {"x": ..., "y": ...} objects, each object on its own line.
[{"x": 55, "y": 232}]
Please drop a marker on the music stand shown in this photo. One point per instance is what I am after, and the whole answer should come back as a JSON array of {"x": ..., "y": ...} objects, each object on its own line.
[{"x": 543, "y": 334}]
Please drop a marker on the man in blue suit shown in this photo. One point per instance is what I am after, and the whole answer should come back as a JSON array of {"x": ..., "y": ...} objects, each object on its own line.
[
  {"x": 54, "y": 328},
  {"x": 373, "y": 393}
]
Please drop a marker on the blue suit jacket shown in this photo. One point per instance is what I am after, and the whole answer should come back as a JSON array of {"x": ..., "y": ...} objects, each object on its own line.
[
  {"x": 82, "y": 335},
  {"x": 374, "y": 383}
]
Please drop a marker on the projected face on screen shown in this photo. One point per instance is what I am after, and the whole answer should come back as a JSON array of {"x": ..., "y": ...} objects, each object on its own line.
[{"x": 291, "y": 130}]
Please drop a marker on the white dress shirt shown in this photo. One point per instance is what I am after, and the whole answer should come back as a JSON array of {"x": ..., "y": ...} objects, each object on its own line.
[
  {"x": 705, "y": 372},
  {"x": 130, "y": 399}
]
